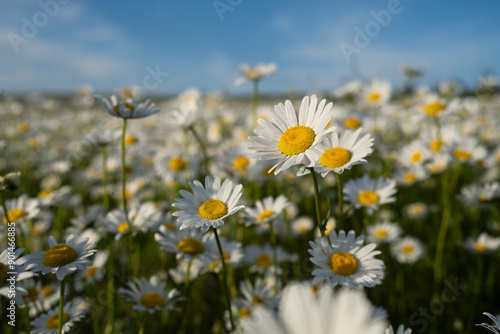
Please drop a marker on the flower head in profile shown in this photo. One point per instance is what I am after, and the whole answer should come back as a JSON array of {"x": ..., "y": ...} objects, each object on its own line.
[
  {"x": 150, "y": 295},
  {"x": 482, "y": 244},
  {"x": 48, "y": 323},
  {"x": 259, "y": 71},
  {"x": 495, "y": 328},
  {"x": 127, "y": 108},
  {"x": 292, "y": 138},
  {"x": 208, "y": 205},
  {"x": 62, "y": 259},
  {"x": 344, "y": 260}
]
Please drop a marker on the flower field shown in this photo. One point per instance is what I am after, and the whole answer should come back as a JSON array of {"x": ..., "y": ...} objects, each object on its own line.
[{"x": 370, "y": 209}]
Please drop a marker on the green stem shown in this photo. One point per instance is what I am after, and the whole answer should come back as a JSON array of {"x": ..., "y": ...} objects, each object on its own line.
[
  {"x": 226, "y": 288},
  {"x": 438, "y": 260},
  {"x": 316, "y": 201},
  {"x": 275, "y": 255},
  {"x": 143, "y": 324},
  {"x": 124, "y": 174},
  {"x": 188, "y": 272},
  {"x": 341, "y": 201},
  {"x": 255, "y": 99},
  {"x": 61, "y": 306},
  {"x": 110, "y": 324},
  {"x": 105, "y": 195},
  {"x": 202, "y": 146}
]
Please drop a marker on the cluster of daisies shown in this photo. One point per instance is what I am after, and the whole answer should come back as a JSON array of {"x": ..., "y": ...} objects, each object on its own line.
[{"x": 298, "y": 211}]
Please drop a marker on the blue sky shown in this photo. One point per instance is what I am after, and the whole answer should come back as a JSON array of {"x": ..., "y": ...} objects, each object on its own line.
[{"x": 110, "y": 44}]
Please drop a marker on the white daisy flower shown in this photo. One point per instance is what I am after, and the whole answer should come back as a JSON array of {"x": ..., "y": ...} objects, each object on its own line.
[
  {"x": 172, "y": 166},
  {"x": 342, "y": 152},
  {"x": 438, "y": 164},
  {"x": 303, "y": 310},
  {"x": 290, "y": 137},
  {"x": 345, "y": 261},
  {"x": 495, "y": 328},
  {"x": 483, "y": 244},
  {"x": 474, "y": 194},
  {"x": 259, "y": 71},
  {"x": 407, "y": 250},
  {"x": 102, "y": 138},
  {"x": 233, "y": 254},
  {"x": 260, "y": 258},
  {"x": 417, "y": 210},
  {"x": 302, "y": 225},
  {"x": 127, "y": 109},
  {"x": 468, "y": 150},
  {"x": 48, "y": 323},
  {"x": 401, "y": 330},
  {"x": 93, "y": 273},
  {"x": 266, "y": 211},
  {"x": 369, "y": 193},
  {"x": 432, "y": 106},
  {"x": 20, "y": 210},
  {"x": 383, "y": 232},
  {"x": 61, "y": 259},
  {"x": 209, "y": 204},
  {"x": 377, "y": 93},
  {"x": 414, "y": 154},
  {"x": 258, "y": 294},
  {"x": 150, "y": 295},
  {"x": 6, "y": 270}
]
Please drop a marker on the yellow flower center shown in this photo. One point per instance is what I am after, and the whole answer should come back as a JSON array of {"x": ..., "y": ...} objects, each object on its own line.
[
  {"x": 410, "y": 177},
  {"x": 352, "y": 123},
  {"x": 416, "y": 210},
  {"x": 296, "y": 140},
  {"x": 14, "y": 215},
  {"x": 3, "y": 274},
  {"x": 373, "y": 97},
  {"x": 245, "y": 312},
  {"x": 479, "y": 247},
  {"x": 335, "y": 157},
  {"x": 436, "y": 145},
  {"x": 33, "y": 142},
  {"x": 482, "y": 198},
  {"x": 44, "y": 193},
  {"x": 32, "y": 294},
  {"x": 256, "y": 300},
  {"x": 407, "y": 249},
  {"x": 382, "y": 234},
  {"x": 263, "y": 261},
  {"x": 462, "y": 155},
  {"x": 126, "y": 93},
  {"x": 46, "y": 291},
  {"x": 53, "y": 321},
  {"x": 130, "y": 140},
  {"x": 177, "y": 164},
  {"x": 368, "y": 198},
  {"x": 416, "y": 157},
  {"x": 123, "y": 227},
  {"x": 265, "y": 214},
  {"x": 191, "y": 246},
  {"x": 91, "y": 271},
  {"x": 128, "y": 105},
  {"x": 432, "y": 109},
  {"x": 152, "y": 300},
  {"x": 240, "y": 163},
  {"x": 252, "y": 74},
  {"x": 23, "y": 127},
  {"x": 343, "y": 264},
  {"x": 212, "y": 209},
  {"x": 59, "y": 255}
]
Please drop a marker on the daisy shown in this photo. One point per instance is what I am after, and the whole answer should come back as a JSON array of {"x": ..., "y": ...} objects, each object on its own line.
[
  {"x": 345, "y": 261},
  {"x": 260, "y": 258},
  {"x": 11, "y": 262},
  {"x": 149, "y": 295},
  {"x": 417, "y": 210},
  {"x": 432, "y": 106},
  {"x": 467, "y": 149},
  {"x": 187, "y": 243},
  {"x": 409, "y": 175},
  {"x": 93, "y": 273},
  {"x": 369, "y": 193},
  {"x": 302, "y": 310},
  {"x": 407, "y": 250},
  {"x": 233, "y": 254},
  {"x": 20, "y": 210},
  {"x": 302, "y": 225},
  {"x": 342, "y": 152},
  {"x": 209, "y": 204},
  {"x": 102, "y": 138},
  {"x": 266, "y": 211},
  {"x": 257, "y": 72},
  {"x": 378, "y": 92},
  {"x": 48, "y": 323},
  {"x": 401, "y": 330},
  {"x": 438, "y": 164},
  {"x": 127, "y": 109},
  {"x": 61, "y": 259},
  {"x": 474, "y": 194},
  {"x": 483, "y": 244},
  {"x": 494, "y": 328},
  {"x": 172, "y": 166},
  {"x": 414, "y": 154},
  {"x": 383, "y": 232},
  {"x": 257, "y": 294},
  {"x": 290, "y": 137}
]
